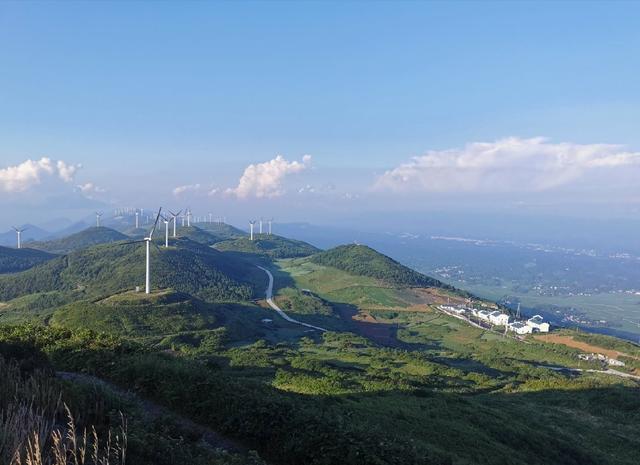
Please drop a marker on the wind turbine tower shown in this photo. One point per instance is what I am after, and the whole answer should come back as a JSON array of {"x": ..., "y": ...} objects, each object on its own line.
[
  {"x": 251, "y": 224},
  {"x": 166, "y": 231},
  {"x": 189, "y": 217},
  {"x": 147, "y": 240},
  {"x": 19, "y": 234},
  {"x": 270, "y": 222},
  {"x": 260, "y": 225},
  {"x": 98, "y": 215},
  {"x": 137, "y": 215},
  {"x": 175, "y": 219},
  {"x": 210, "y": 214}
]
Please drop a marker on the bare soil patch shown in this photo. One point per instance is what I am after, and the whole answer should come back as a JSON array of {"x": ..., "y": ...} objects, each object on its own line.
[{"x": 569, "y": 341}]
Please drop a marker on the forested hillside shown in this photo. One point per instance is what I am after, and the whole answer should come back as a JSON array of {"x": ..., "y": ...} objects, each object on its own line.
[
  {"x": 83, "y": 239},
  {"x": 14, "y": 260}
]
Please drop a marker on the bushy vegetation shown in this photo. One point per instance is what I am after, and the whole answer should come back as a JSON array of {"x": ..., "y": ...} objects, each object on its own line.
[
  {"x": 269, "y": 246},
  {"x": 343, "y": 400},
  {"x": 78, "y": 420},
  {"x": 81, "y": 240},
  {"x": 365, "y": 261},
  {"x": 14, "y": 260}
]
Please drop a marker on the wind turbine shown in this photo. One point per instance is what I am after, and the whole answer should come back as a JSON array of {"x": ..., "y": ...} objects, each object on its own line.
[
  {"x": 251, "y": 224},
  {"x": 166, "y": 231},
  {"x": 210, "y": 217},
  {"x": 19, "y": 233},
  {"x": 147, "y": 241},
  {"x": 270, "y": 222},
  {"x": 260, "y": 225},
  {"x": 98, "y": 215},
  {"x": 175, "y": 219},
  {"x": 137, "y": 219},
  {"x": 188, "y": 217}
]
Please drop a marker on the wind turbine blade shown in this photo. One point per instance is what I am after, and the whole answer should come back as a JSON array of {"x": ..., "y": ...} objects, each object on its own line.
[{"x": 155, "y": 223}]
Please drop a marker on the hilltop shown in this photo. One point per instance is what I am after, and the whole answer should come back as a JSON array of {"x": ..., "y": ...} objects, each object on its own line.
[
  {"x": 365, "y": 261},
  {"x": 222, "y": 230},
  {"x": 269, "y": 246},
  {"x": 186, "y": 266},
  {"x": 80, "y": 240},
  {"x": 14, "y": 260},
  {"x": 138, "y": 314},
  {"x": 195, "y": 233}
]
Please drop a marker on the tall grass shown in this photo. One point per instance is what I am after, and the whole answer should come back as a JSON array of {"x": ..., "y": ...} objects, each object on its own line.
[{"x": 37, "y": 428}]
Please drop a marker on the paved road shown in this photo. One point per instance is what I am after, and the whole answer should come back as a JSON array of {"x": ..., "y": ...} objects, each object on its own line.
[{"x": 273, "y": 305}]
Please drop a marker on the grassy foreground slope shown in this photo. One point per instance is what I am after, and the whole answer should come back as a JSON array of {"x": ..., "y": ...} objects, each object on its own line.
[
  {"x": 269, "y": 246},
  {"x": 81, "y": 240},
  {"x": 14, "y": 260},
  {"x": 187, "y": 266}
]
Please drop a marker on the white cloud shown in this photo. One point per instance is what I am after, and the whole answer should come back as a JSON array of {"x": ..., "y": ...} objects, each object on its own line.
[
  {"x": 266, "y": 179},
  {"x": 510, "y": 164},
  {"x": 29, "y": 173},
  {"x": 89, "y": 189},
  {"x": 213, "y": 191},
  {"x": 186, "y": 188}
]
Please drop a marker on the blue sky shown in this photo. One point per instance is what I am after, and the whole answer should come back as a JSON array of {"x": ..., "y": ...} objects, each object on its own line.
[{"x": 151, "y": 96}]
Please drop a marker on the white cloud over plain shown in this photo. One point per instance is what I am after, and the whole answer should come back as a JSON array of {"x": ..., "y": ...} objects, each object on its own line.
[
  {"x": 29, "y": 173},
  {"x": 89, "y": 189},
  {"x": 507, "y": 165},
  {"x": 267, "y": 179},
  {"x": 186, "y": 188}
]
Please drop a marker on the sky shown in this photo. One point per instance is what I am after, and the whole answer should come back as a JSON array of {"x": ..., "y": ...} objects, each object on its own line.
[{"x": 324, "y": 112}]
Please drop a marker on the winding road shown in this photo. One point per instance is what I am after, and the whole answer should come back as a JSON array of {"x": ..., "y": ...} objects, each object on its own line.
[{"x": 273, "y": 305}]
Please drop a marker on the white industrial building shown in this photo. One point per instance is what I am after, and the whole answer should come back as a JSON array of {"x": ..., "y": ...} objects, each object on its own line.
[
  {"x": 519, "y": 327},
  {"x": 498, "y": 318},
  {"x": 538, "y": 324}
]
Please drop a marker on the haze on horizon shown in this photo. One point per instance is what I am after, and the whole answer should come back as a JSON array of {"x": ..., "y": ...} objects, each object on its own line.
[{"x": 333, "y": 113}]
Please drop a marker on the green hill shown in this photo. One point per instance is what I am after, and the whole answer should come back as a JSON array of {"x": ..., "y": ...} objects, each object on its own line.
[
  {"x": 222, "y": 230},
  {"x": 365, "y": 261},
  {"x": 138, "y": 314},
  {"x": 186, "y": 266},
  {"x": 14, "y": 260},
  {"x": 83, "y": 239},
  {"x": 194, "y": 233},
  {"x": 269, "y": 246}
]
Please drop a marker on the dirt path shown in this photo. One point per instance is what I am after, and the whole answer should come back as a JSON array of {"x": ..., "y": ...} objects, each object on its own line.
[{"x": 152, "y": 411}]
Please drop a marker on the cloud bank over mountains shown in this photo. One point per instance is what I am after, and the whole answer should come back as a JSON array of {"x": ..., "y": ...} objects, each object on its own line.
[
  {"x": 507, "y": 165},
  {"x": 29, "y": 173}
]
